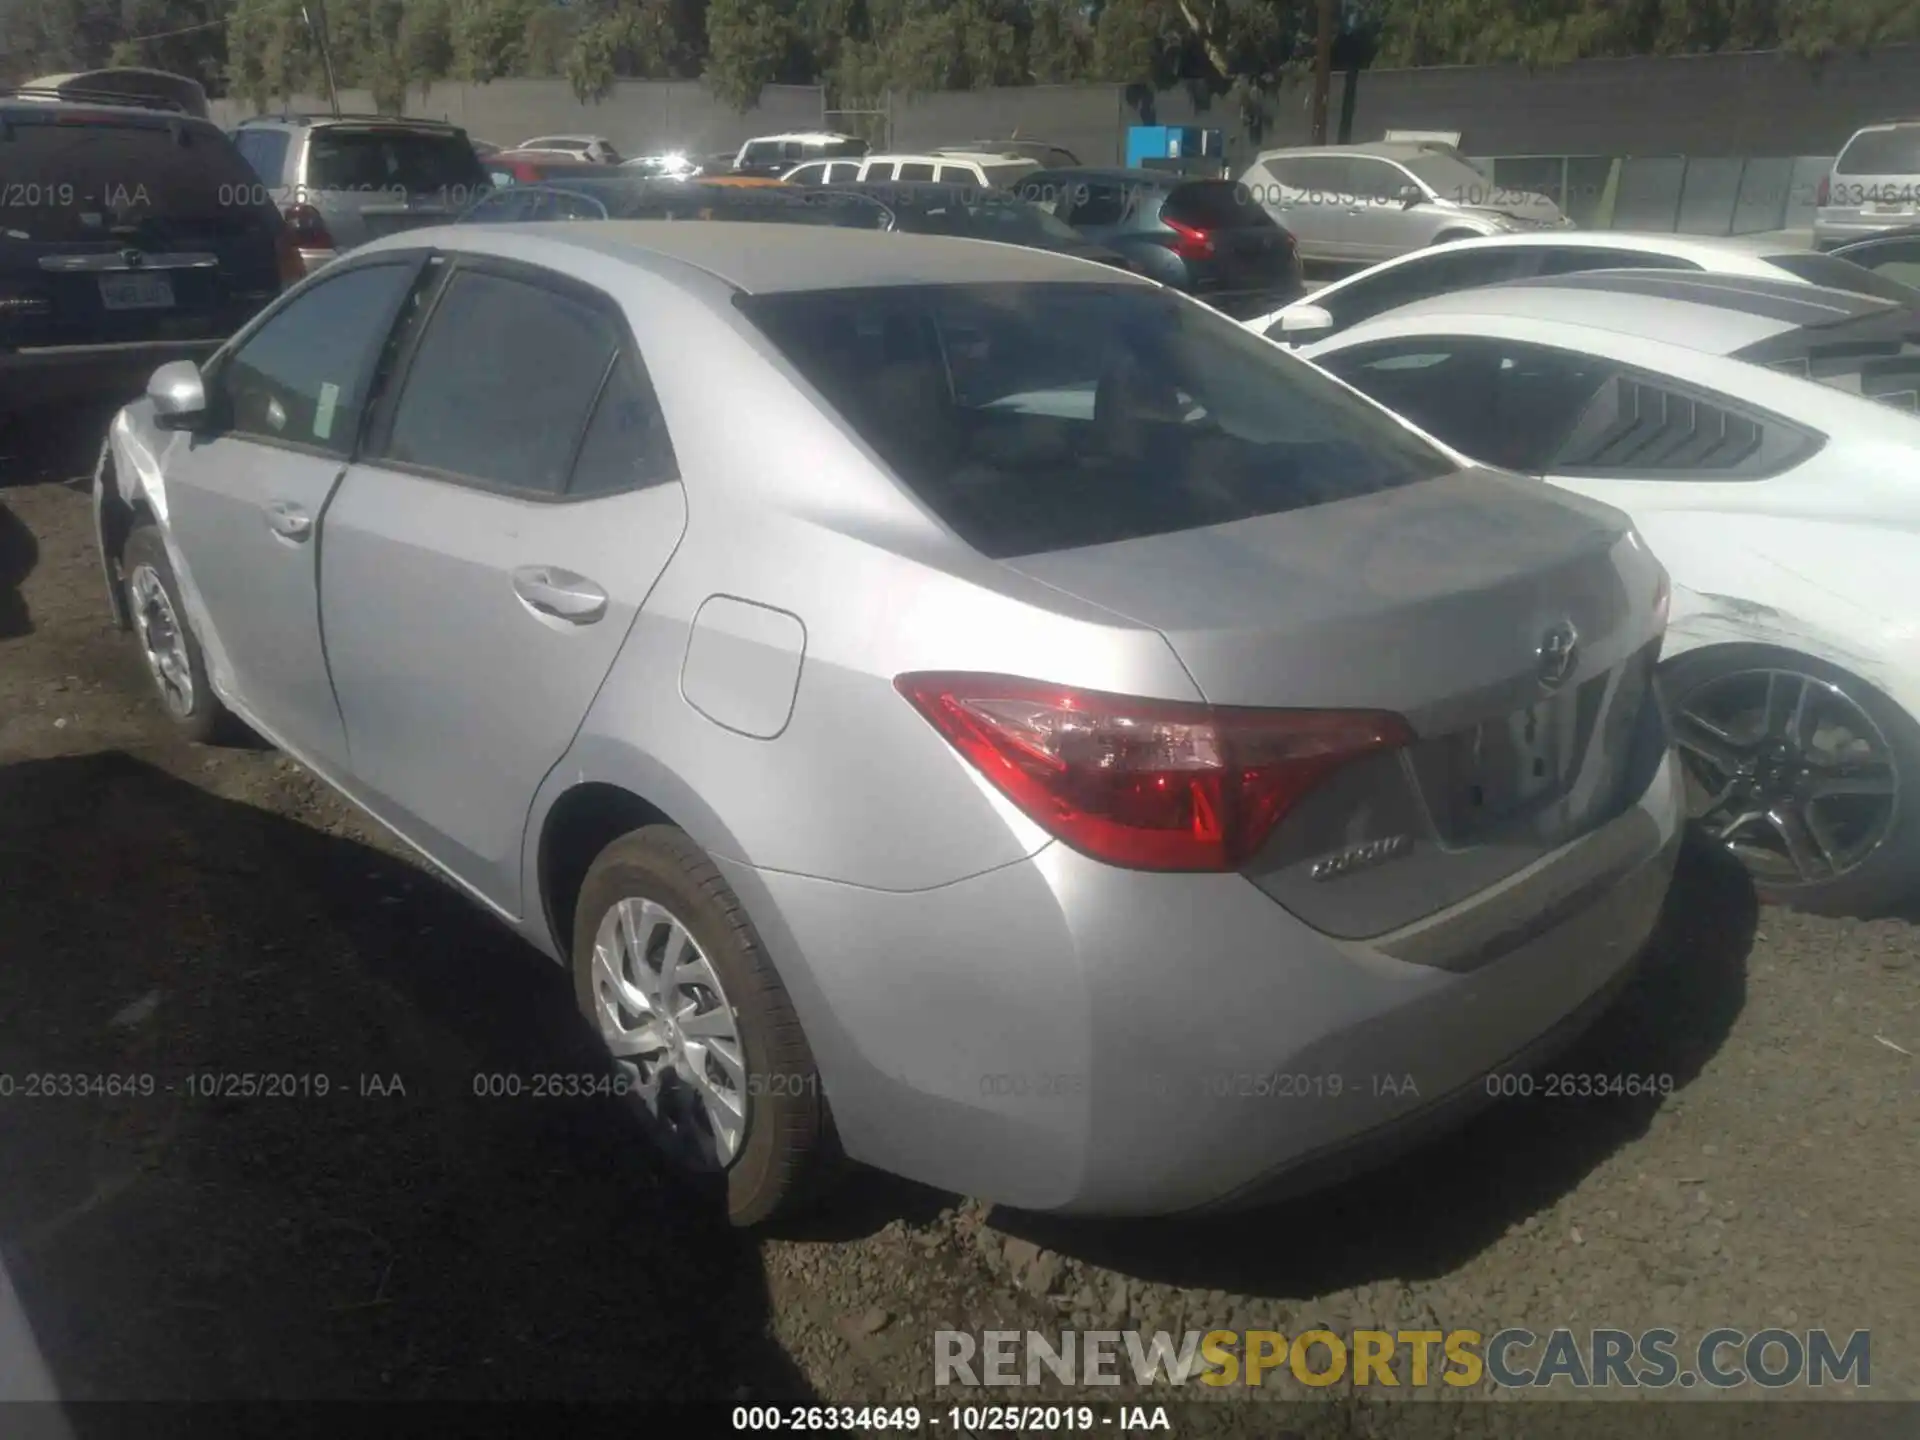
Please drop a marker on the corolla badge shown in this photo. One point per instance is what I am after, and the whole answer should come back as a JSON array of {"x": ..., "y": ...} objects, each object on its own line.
[
  {"x": 1363, "y": 856},
  {"x": 1558, "y": 654}
]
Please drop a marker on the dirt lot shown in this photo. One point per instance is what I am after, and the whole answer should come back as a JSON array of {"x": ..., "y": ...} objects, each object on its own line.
[{"x": 167, "y": 911}]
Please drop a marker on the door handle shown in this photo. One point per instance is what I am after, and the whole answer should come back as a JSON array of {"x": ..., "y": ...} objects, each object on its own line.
[
  {"x": 288, "y": 519},
  {"x": 549, "y": 590}
]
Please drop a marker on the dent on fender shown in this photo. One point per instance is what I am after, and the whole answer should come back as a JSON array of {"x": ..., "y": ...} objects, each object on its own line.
[{"x": 1704, "y": 618}]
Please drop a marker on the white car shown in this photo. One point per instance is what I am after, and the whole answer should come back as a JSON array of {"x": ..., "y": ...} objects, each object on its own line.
[
  {"x": 953, "y": 167},
  {"x": 1463, "y": 264},
  {"x": 1764, "y": 436},
  {"x": 595, "y": 149}
]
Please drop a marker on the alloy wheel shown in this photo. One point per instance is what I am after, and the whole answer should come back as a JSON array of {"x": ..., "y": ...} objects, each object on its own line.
[
  {"x": 1789, "y": 772},
  {"x": 162, "y": 639},
  {"x": 665, "y": 1017}
]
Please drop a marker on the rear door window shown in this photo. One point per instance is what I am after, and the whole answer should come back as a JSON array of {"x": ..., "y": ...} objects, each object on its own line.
[
  {"x": 808, "y": 174},
  {"x": 1039, "y": 417},
  {"x": 914, "y": 170},
  {"x": 500, "y": 386},
  {"x": 1093, "y": 202},
  {"x": 112, "y": 181},
  {"x": 398, "y": 161},
  {"x": 1215, "y": 205},
  {"x": 1881, "y": 152}
]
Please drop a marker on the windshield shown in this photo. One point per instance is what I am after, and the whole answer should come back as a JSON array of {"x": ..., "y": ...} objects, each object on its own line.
[
  {"x": 1039, "y": 417},
  {"x": 107, "y": 180},
  {"x": 1838, "y": 274},
  {"x": 414, "y": 162},
  {"x": 1881, "y": 152}
]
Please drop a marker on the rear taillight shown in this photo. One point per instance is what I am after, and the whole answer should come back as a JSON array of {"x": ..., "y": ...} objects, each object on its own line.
[
  {"x": 1145, "y": 784},
  {"x": 309, "y": 230},
  {"x": 1189, "y": 241},
  {"x": 1825, "y": 190},
  {"x": 286, "y": 251}
]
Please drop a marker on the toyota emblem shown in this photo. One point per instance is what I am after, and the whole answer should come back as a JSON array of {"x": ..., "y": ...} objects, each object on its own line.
[
  {"x": 132, "y": 259},
  {"x": 1558, "y": 654}
]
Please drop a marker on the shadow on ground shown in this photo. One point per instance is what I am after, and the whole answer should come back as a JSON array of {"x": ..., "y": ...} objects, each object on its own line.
[
  {"x": 58, "y": 442},
  {"x": 19, "y": 553},
  {"x": 357, "y": 1217},
  {"x": 1433, "y": 1210}
]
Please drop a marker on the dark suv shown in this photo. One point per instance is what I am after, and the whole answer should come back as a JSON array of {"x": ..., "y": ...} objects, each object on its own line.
[
  {"x": 1206, "y": 237},
  {"x": 129, "y": 237}
]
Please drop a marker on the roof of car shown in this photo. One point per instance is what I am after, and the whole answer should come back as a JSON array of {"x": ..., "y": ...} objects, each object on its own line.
[
  {"x": 1713, "y": 314},
  {"x": 948, "y": 157},
  {"x": 802, "y": 137},
  {"x": 1119, "y": 174},
  {"x": 1385, "y": 149},
  {"x": 296, "y": 117},
  {"x": 1661, "y": 242},
  {"x": 807, "y": 257}
]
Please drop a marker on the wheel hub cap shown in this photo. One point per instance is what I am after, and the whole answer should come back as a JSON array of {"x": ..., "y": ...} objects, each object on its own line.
[
  {"x": 665, "y": 1016},
  {"x": 162, "y": 640},
  {"x": 1788, "y": 771}
]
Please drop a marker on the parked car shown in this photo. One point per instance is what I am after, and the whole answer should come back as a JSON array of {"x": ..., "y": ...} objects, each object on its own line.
[
  {"x": 1465, "y": 264},
  {"x": 775, "y": 155},
  {"x": 1357, "y": 204},
  {"x": 1894, "y": 256},
  {"x": 507, "y": 168},
  {"x": 486, "y": 149},
  {"x": 1199, "y": 236},
  {"x": 971, "y": 213},
  {"x": 1283, "y": 665},
  {"x": 638, "y": 198},
  {"x": 594, "y": 149},
  {"x": 1038, "y": 151},
  {"x": 128, "y": 236},
  {"x": 987, "y": 170},
  {"x": 341, "y": 181},
  {"x": 124, "y": 85},
  {"x": 1763, "y": 435},
  {"x": 1873, "y": 188},
  {"x": 669, "y": 163}
]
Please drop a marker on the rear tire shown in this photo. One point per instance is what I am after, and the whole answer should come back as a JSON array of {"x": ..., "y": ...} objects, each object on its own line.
[
  {"x": 175, "y": 662},
  {"x": 657, "y": 928},
  {"x": 1848, "y": 768}
]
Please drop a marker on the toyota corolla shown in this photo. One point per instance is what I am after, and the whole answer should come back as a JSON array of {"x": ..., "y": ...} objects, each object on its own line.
[{"x": 963, "y": 709}]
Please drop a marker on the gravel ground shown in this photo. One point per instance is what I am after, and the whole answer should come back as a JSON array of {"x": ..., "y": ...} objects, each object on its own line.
[{"x": 166, "y": 910}]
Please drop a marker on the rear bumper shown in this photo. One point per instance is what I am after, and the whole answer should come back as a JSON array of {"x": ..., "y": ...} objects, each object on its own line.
[
  {"x": 1062, "y": 1035},
  {"x": 68, "y": 374}
]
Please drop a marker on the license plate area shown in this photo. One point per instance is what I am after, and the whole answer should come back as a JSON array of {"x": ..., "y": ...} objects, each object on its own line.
[
  {"x": 136, "y": 292},
  {"x": 1500, "y": 774}
]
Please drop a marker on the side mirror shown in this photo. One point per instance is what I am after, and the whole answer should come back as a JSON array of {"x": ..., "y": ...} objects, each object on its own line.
[
  {"x": 179, "y": 395},
  {"x": 1303, "y": 322},
  {"x": 1409, "y": 196}
]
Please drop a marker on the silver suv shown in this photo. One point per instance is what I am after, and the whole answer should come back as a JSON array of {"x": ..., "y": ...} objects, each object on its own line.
[
  {"x": 341, "y": 181},
  {"x": 1874, "y": 186},
  {"x": 1358, "y": 204}
]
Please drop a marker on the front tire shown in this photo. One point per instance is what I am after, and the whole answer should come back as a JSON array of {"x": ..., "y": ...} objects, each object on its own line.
[
  {"x": 704, "y": 1039},
  {"x": 1809, "y": 775},
  {"x": 175, "y": 662}
]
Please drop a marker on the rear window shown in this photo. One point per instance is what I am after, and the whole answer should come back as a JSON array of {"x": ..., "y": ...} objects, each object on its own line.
[
  {"x": 1216, "y": 205},
  {"x": 1838, "y": 274},
  {"x": 88, "y": 179},
  {"x": 1040, "y": 417},
  {"x": 1881, "y": 152},
  {"x": 415, "y": 161},
  {"x": 835, "y": 149}
]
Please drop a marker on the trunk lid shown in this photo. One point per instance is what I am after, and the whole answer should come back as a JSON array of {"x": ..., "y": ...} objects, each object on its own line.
[{"x": 1517, "y": 635}]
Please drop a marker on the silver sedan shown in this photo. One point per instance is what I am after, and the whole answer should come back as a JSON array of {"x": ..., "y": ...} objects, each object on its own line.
[{"x": 963, "y": 709}]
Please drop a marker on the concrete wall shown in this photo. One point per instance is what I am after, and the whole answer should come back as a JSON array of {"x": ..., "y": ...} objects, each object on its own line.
[{"x": 639, "y": 116}]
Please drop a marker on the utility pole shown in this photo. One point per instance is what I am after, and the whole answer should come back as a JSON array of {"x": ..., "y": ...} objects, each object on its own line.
[
  {"x": 315, "y": 14},
  {"x": 1322, "y": 69}
]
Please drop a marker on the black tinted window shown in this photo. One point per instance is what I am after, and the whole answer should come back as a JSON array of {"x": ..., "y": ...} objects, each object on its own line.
[
  {"x": 915, "y": 171},
  {"x": 302, "y": 377},
  {"x": 1421, "y": 279},
  {"x": 1882, "y": 152},
  {"x": 1323, "y": 177},
  {"x": 1839, "y": 274},
  {"x": 1045, "y": 417},
  {"x": 105, "y": 179},
  {"x": 372, "y": 160},
  {"x": 1377, "y": 180},
  {"x": 1500, "y": 402},
  {"x": 501, "y": 383},
  {"x": 1216, "y": 205},
  {"x": 626, "y": 443},
  {"x": 1093, "y": 203}
]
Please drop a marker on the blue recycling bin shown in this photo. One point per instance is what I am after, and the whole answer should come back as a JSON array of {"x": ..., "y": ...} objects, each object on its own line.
[{"x": 1170, "y": 142}]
